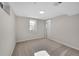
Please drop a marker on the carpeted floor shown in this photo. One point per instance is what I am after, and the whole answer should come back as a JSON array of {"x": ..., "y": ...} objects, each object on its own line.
[{"x": 28, "y": 48}]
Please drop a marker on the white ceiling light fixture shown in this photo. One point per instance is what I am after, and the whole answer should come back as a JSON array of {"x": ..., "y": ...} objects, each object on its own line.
[{"x": 42, "y": 12}]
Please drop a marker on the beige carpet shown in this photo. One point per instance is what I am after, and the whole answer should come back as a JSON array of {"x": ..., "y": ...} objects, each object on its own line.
[{"x": 28, "y": 48}]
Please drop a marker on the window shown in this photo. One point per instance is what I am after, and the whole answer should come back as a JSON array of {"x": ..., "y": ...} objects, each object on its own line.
[{"x": 32, "y": 25}]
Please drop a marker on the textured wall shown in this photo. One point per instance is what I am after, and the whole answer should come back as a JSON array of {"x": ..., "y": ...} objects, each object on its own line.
[{"x": 7, "y": 33}]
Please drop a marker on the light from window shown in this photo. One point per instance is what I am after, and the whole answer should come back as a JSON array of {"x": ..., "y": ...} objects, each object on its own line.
[{"x": 32, "y": 24}]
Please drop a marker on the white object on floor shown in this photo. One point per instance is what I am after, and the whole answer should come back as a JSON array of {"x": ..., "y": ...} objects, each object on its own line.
[{"x": 41, "y": 53}]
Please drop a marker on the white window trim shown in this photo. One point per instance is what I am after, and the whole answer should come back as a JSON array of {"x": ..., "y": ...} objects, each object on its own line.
[{"x": 34, "y": 29}]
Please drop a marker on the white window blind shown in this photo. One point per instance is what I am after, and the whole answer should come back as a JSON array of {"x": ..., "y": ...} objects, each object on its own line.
[{"x": 32, "y": 25}]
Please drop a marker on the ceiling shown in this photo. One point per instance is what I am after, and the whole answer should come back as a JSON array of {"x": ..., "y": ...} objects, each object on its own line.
[{"x": 32, "y": 9}]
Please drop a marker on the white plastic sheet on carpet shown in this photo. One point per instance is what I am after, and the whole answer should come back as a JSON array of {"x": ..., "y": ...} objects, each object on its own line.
[{"x": 41, "y": 53}]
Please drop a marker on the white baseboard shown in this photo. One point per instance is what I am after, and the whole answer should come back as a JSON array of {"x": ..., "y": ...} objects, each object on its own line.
[
  {"x": 29, "y": 39},
  {"x": 64, "y": 43}
]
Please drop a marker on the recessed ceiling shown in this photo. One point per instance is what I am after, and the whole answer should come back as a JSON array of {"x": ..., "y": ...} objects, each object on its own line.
[{"x": 44, "y": 10}]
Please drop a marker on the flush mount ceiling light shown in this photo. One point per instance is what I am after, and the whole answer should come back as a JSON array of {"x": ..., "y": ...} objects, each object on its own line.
[{"x": 42, "y": 12}]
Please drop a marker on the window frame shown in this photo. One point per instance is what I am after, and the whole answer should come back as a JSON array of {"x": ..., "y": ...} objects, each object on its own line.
[{"x": 34, "y": 26}]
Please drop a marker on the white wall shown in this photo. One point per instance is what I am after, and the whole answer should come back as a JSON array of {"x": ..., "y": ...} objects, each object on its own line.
[
  {"x": 23, "y": 33},
  {"x": 7, "y": 33},
  {"x": 64, "y": 29}
]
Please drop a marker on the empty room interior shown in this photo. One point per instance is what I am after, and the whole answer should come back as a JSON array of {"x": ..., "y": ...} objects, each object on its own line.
[{"x": 39, "y": 28}]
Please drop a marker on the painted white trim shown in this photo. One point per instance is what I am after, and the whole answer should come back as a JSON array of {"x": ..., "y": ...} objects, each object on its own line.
[
  {"x": 29, "y": 39},
  {"x": 64, "y": 43}
]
